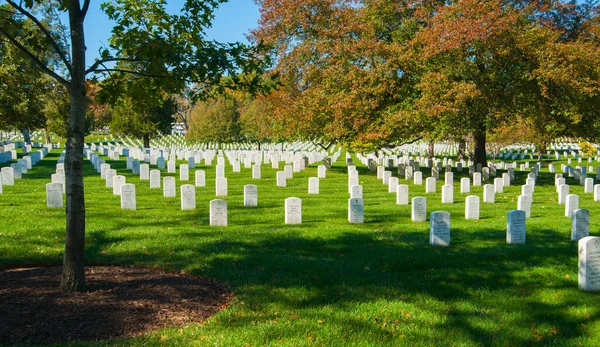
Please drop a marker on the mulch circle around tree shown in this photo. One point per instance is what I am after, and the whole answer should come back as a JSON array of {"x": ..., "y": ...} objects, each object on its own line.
[{"x": 120, "y": 302}]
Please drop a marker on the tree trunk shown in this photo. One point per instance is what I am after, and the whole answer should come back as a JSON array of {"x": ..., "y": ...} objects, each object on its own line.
[
  {"x": 26, "y": 136},
  {"x": 146, "y": 141},
  {"x": 542, "y": 152},
  {"x": 47, "y": 136},
  {"x": 431, "y": 149},
  {"x": 259, "y": 145},
  {"x": 73, "y": 276},
  {"x": 479, "y": 155},
  {"x": 462, "y": 148}
]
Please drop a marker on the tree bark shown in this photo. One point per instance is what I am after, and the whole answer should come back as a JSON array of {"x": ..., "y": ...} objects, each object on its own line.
[
  {"x": 479, "y": 154},
  {"x": 26, "y": 136},
  {"x": 47, "y": 136},
  {"x": 541, "y": 152},
  {"x": 462, "y": 148},
  {"x": 73, "y": 276},
  {"x": 146, "y": 141},
  {"x": 431, "y": 149}
]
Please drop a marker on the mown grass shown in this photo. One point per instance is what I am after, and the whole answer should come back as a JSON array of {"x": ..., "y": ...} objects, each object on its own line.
[{"x": 327, "y": 282}]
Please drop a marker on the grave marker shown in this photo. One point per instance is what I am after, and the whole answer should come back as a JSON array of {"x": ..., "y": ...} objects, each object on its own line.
[
  {"x": 128, "y": 199},
  {"x": 188, "y": 197},
  {"x": 250, "y": 195},
  {"x": 117, "y": 182},
  {"x": 580, "y": 224},
  {"x": 515, "y": 227},
  {"x": 489, "y": 193},
  {"x": 472, "y": 207},
  {"x": 218, "y": 213},
  {"x": 571, "y": 204},
  {"x": 356, "y": 211},
  {"x": 313, "y": 185},
  {"x": 293, "y": 211},
  {"x": 465, "y": 185},
  {"x": 200, "y": 178},
  {"x": 54, "y": 195},
  {"x": 439, "y": 228},
  {"x": 169, "y": 187},
  {"x": 221, "y": 186},
  {"x": 402, "y": 194},
  {"x": 154, "y": 179},
  {"x": 589, "y": 264},
  {"x": 419, "y": 209}
]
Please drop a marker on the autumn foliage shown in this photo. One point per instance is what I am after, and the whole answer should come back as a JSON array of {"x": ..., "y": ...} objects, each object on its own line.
[{"x": 380, "y": 72}]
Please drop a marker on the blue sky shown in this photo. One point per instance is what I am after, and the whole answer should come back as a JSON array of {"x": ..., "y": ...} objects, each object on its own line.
[{"x": 232, "y": 22}]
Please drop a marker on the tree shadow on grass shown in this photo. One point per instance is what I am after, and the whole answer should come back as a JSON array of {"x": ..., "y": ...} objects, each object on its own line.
[{"x": 363, "y": 268}]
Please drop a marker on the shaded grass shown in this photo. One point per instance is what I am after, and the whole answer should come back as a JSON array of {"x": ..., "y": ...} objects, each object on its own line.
[{"x": 327, "y": 282}]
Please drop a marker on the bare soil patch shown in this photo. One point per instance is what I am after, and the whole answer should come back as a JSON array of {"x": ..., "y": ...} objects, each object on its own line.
[{"x": 120, "y": 302}]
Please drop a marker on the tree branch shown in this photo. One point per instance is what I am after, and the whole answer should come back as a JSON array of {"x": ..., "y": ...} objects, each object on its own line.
[
  {"x": 35, "y": 59},
  {"x": 84, "y": 9},
  {"x": 99, "y": 62},
  {"x": 47, "y": 33}
]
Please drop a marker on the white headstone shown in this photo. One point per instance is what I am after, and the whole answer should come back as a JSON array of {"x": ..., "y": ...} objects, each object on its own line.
[
  {"x": 472, "y": 207},
  {"x": 220, "y": 170},
  {"x": 8, "y": 177},
  {"x": 103, "y": 168},
  {"x": 419, "y": 209},
  {"x": 356, "y": 192},
  {"x": 154, "y": 179},
  {"x": 589, "y": 264},
  {"x": 449, "y": 178},
  {"x": 281, "y": 178},
  {"x": 356, "y": 211},
  {"x": 256, "y": 172},
  {"x": 321, "y": 171},
  {"x": 597, "y": 192},
  {"x": 117, "y": 182},
  {"x": 313, "y": 185},
  {"x": 580, "y": 224},
  {"x": 293, "y": 211},
  {"x": 393, "y": 183},
  {"x": 506, "y": 179},
  {"x": 218, "y": 213},
  {"x": 515, "y": 227},
  {"x": 221, "y": 186},
  {"x": 524, "y": 204},
  {"x": 200, "y": 178},
  {"x": 571, "y": 204},
  {"x": 476, "y": 179},
  {"x": 250, "y": 195},
  {"x": 188, "y": 197},
  {"x": 430, "y": 185},
  {"x": 563, "y": 191},
  {"x": 498, "y": 185},
  {"x": 447, "y": 194},
  {"x": 54, "y": 195},
  {"x": 128, "y": 199},
  {"x": 184, "y": 172},
  {"x": 289, "y": 172},
  {"x": 589, "y": 186},
  {"x": 489, "y": 193},
  {"x": 110, "y": 173},
  {"x": 169, "y": 187},
  {"x": 171, "y": 166},
  {"x": 465, "y": 185},
  {"x": 439, "y": 228},
  {"x": 144, "y": 172},
  {"x": 526, "y": 190},
  {"x": 402, "y": 194},
  {"x": 418, "y": 178}
]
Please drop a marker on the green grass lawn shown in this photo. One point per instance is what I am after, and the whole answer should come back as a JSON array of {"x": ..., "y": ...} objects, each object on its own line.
[{"x": 327, "y": 282}]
